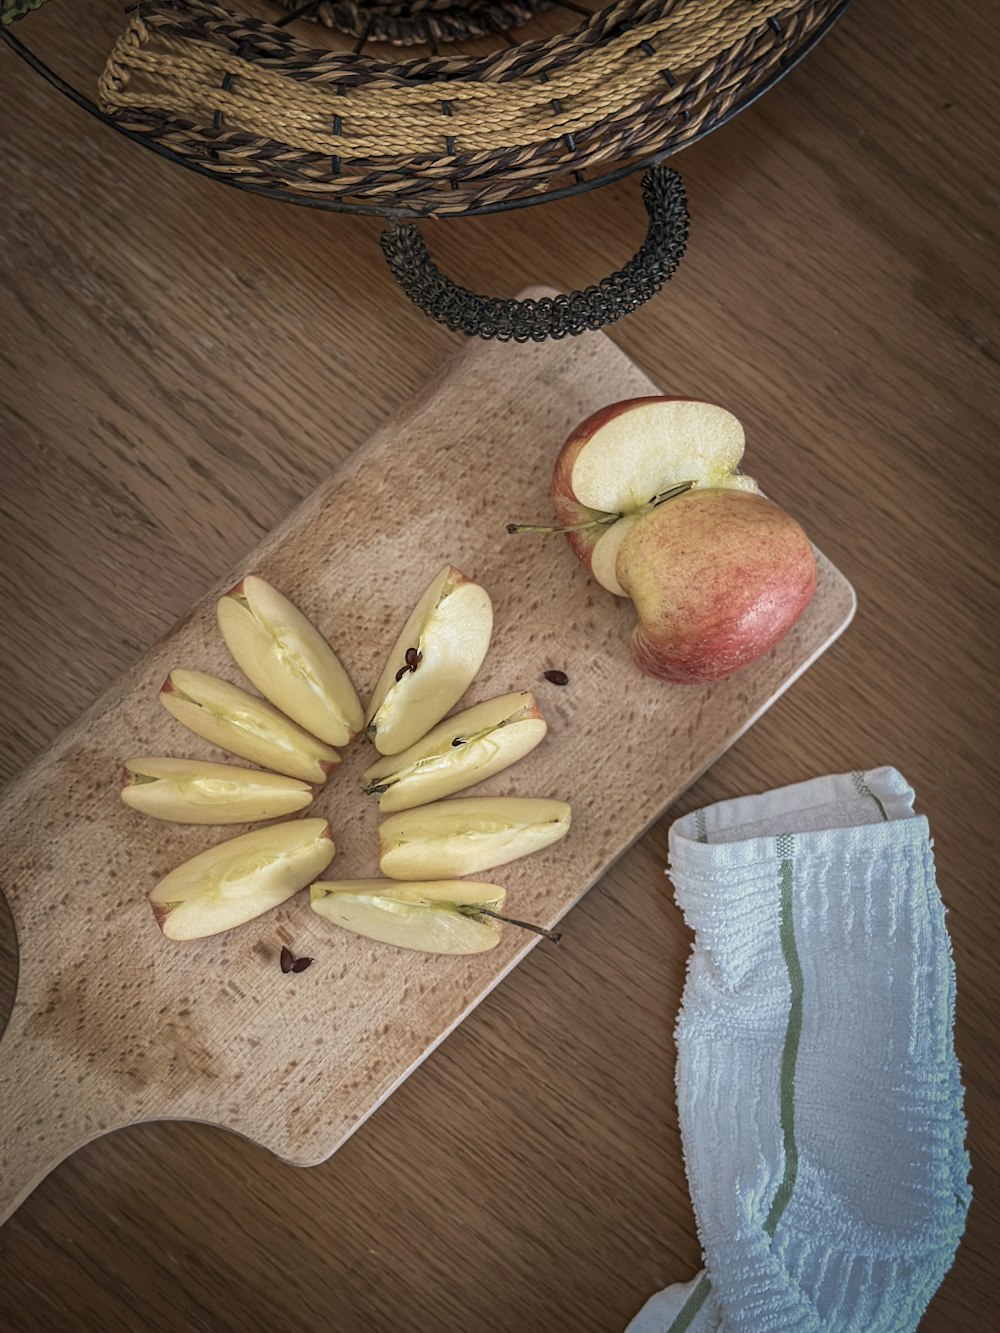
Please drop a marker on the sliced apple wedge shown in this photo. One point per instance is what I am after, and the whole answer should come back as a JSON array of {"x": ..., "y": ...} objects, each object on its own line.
[
  {"x": 190, "y": 791},
  {"x": 284, "y": 656},
  {"x": 433, "y": 662},
  {"x": 623, "y": 455},
  {"x": 605, "y": 553},
  {"x": 238, "y": 880},
  {"x": 460, "y": 751},
  {"x": 245, "y": 725},
  {"x": 433, "y": 917},
  {"x": 465, "y": 836}
]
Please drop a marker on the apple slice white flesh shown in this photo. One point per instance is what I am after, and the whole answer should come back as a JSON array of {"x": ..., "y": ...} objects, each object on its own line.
[
  {"x": 190, "y": 791},
  {"x": 284, "y": 656},
  {"x": 464, "y": 749},
  {"x": 643, "y": 450},
  {"x": 433, "y": 662},
  {"x": 605, "y": 553},
  {"x": 245, "y": 725},
  {"x": 432, "y": 917},
  {"x": 465, "y": 836},
  {"x": 238, "y": 880}
]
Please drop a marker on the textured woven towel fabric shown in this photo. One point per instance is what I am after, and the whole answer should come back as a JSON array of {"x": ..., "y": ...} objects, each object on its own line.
[{"x": 819, "y": 1094}]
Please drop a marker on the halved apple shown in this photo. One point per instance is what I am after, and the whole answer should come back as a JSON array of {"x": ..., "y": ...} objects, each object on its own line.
[
  {"x": 619, "y": 462},
  {"x": 245, "y": 725},
  {"x": 284, "y": 655},
  {"x": 190, "y": 791},
  {"x": 440, "y": 916},
  {"x": 238, "y": 880},
  {"x": 460, "y": 751},
  {"x": 464, "y": 836},
  {"x": 433, "y": 662}
]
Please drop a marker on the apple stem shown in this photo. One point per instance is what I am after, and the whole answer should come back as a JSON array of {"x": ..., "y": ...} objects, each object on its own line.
[
  {"x": 670, "y": 492},
  {"x": 605, "y": 519},
  {"x": 574, "y": 527},
  {"x": 554, "y": 935}
]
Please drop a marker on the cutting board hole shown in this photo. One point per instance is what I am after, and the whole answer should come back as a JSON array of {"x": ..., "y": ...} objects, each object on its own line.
[{"x": 8, "y": 963}]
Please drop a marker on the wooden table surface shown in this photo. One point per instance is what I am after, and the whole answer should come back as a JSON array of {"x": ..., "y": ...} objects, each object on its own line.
[{"x": 183, "y": 363}]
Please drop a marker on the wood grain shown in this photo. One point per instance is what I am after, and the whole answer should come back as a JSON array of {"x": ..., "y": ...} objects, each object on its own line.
[
  {"x": 183, "y": 364},
  {"x": 124, "y": 1027}
]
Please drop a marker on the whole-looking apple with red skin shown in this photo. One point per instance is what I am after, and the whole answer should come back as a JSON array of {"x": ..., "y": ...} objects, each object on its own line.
[{"x": 717, "y": 573}]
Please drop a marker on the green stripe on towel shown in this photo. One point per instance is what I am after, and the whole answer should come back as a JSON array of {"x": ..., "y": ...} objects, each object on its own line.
[
  {"x": 864, "y": 790},
  {"x": 691, "y": 1306},
  {"x": 793, "y": 1034}
]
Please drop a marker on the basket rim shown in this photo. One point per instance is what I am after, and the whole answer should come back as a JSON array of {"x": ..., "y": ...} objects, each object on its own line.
[{"x": 389, "y": 213}]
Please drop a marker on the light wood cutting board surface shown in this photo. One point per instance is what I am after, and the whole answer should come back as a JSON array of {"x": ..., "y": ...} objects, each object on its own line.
[{"x": 113, "y": 1025}]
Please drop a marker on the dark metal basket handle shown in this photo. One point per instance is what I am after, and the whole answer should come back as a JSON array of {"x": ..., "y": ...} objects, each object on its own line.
[{"x": 556, "y": 316}]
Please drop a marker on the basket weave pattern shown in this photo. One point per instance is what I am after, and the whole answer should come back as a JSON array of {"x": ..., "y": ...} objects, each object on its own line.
[
  {"x": 443, "y": 134},
  {"x": 408, "y": 22}
]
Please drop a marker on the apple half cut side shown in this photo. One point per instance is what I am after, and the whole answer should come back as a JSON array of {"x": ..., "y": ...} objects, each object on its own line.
[
  {"x": 465, "y": 836},
  {"x": 442, "y": 916},
  {"x": 283, "y": 655},
  {"x": 241, "y": 879},
  {"x": 246, "y": 726},
  {"x": 191, "y": 791},
  {"x": 617, "y": 464},
  {"x": 433, "y": 662},
  {"x": 464, "y": 749}
]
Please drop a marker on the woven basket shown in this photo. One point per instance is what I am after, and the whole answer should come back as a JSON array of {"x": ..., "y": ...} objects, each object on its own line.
[
  {"x": 419, "y": 22},
  {"x": 439, "y": 135}
]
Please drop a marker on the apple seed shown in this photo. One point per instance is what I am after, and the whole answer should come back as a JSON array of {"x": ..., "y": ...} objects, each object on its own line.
[{"x": 289, "y": 963}]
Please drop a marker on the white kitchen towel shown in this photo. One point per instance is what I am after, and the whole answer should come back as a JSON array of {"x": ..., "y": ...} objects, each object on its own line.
[{"x": 819, "y": 1094}]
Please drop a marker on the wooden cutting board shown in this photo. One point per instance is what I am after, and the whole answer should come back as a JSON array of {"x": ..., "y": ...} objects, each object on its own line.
[{"x": 113, "y": 1025}]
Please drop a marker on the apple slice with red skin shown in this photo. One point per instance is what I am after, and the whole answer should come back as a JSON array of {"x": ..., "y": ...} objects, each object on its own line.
[
  {"x": 459, "y": 752},
  {"x": 443, "y": 916},
  {"x": 245, "y": 725},
  {"x": 283, "y": 655},
  {"x": 620, "y": 461},
  {"x": 191, "y": 791},
  {"x": 448, "y": 839},
  {"x": 434, "y": 661},
  {"x": 240, "y": 879}
]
